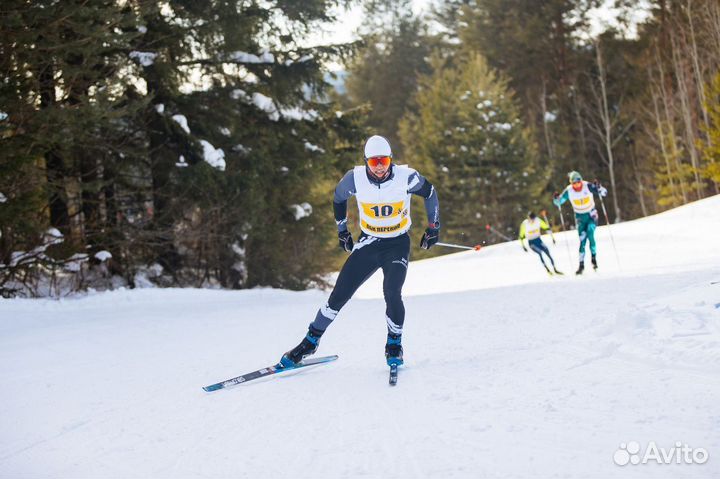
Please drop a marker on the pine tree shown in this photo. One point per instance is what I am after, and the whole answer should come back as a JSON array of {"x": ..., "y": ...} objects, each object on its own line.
[
  {"x": 260, "y": 107},
  {"x": 384, "y": 73},
  {"x": 179, "y": 136},
  {"x": 536, "y": 47},
  {"x": 63, "y": 121},
  {"x": 468, "y": 139}
]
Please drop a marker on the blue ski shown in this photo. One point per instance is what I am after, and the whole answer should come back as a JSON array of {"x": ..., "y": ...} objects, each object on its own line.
[{"x": 261, "y": 373}]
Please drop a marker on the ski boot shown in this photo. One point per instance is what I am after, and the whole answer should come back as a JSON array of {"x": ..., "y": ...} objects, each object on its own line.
[
  {"x": 548, "y": 270},
  {"x": 580, "y": 269},
  {"x": 594, "y": 262},
  {"x": 556, "y": 271},
  {"x": 307, "y": 346},
  {"x": 394, "y": 350}
]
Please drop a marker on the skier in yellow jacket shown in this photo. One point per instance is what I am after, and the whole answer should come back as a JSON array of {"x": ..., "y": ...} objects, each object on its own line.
[{"x": 531, "y": 229}]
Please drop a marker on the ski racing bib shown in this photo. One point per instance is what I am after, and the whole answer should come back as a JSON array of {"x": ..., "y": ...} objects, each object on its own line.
[
  {"x": 532, "y": 228},
  {"x": 582, "y": 201},
  {"x": 384, "y": 209}
]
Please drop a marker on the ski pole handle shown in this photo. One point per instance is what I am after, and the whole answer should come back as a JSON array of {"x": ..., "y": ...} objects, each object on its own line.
[{"x": 458, "y": 246}]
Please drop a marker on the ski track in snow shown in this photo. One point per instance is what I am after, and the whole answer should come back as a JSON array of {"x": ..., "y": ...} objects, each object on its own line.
[{"x": 509, "y": 373}]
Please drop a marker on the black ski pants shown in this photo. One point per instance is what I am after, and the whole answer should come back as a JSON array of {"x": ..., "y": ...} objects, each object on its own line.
[{"x": 370, "y": 254}]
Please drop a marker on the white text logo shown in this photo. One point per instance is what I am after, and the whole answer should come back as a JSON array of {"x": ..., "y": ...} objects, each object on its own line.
[{"x": 631, "y": 453}]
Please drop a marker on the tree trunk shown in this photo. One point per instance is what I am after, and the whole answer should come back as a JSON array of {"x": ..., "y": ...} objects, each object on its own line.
[
  {"x": 581, "y": 126},
  {"x": 607, "y": 127},
  {"x": 546, "y": 130},
  {"x": 661, "y": 140},
  {"x": 55, "y": 167},
  {"x": 687, "y": 113},
  {"x": 669, "y": 119}
]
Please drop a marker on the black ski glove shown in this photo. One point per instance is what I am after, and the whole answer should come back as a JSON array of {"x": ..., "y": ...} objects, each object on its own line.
[
  {"x": 430, "y": 237},
  {"x": 345, "y": 240}
]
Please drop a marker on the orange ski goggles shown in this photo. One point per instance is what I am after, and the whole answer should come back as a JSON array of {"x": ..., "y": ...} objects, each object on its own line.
[{"x": 379, "y": 160}]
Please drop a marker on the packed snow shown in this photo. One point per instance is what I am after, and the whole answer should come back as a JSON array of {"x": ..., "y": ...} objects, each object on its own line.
[{"x": 509, "y": 372}]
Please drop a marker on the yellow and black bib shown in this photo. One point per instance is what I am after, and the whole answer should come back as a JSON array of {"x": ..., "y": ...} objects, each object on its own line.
[
  {"x": 582, "y": 201},
  {"x": 384, "y": 209}
]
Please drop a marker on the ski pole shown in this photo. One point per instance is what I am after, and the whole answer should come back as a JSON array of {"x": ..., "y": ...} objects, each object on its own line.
[
  {"x": 544, "y": 216},
  {"x": 493, "y": 230},
  {"x": 612, "y": 240},
  {"x": 459, "y": 246},
  {"x": 567, "y": 243}
]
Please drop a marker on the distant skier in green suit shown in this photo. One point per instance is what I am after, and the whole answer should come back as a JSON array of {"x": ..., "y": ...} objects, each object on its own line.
[{"x": 580, "y": 195}]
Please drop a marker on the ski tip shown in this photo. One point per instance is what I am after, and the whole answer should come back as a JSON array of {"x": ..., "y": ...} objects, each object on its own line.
[
  {"x": 306, "y": 362},
  {"x": 209, "y": 389},
  {"x": 319, "y": 360}
]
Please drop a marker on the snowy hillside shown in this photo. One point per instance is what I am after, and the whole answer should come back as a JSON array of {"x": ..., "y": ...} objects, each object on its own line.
[
  {"x": 509, "y": 372},
  {"x": 682, "y": 239}
]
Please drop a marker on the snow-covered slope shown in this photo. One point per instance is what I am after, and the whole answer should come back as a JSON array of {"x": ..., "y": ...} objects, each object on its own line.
[
  {"x": 508, "y": 372},
  {"x": 681, "y": 239}
]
